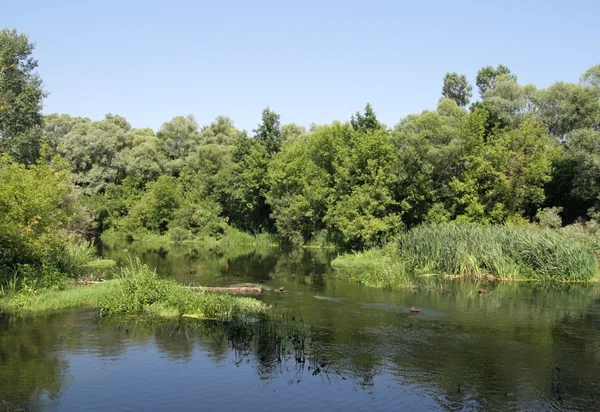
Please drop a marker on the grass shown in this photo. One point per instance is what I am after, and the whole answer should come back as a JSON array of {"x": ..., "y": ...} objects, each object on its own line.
[
  {"x": 101, "y": 263},
  {"x": 376, "y": 267},
  {"x": 498, "y": 251},
  {"x": 476, "y": 251},
  {"x": 137, "y": 291}
]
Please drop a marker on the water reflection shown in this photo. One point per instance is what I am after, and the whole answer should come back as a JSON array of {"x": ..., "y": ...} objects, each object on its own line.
[{"x": 515, "y": 347}]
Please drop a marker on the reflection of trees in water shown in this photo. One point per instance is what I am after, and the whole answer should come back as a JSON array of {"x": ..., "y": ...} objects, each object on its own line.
[{"x": 31, "y": 367}]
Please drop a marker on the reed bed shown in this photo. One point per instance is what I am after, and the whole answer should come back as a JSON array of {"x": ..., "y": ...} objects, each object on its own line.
[
  {"x": 475, "y": 251},
  {"x": 498, "y": 251}
]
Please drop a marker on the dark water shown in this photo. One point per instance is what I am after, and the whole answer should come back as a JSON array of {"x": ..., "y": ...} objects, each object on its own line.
[{"x": 516, "y": 347}]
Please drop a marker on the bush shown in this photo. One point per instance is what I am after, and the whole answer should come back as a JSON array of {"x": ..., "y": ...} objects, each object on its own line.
[
  {"x": 549, "y": 217},
  {"x": 40, "y": 222},
  {"x": 178, "y": 234}
]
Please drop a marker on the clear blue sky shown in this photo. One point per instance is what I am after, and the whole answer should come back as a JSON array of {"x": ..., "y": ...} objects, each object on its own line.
[{"x": 310, "y": 61}]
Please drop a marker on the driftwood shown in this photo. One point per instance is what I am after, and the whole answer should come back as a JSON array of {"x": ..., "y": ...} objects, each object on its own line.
[
  {"x": 86, "y": 282},
  {"x": 232, "y": 289}
]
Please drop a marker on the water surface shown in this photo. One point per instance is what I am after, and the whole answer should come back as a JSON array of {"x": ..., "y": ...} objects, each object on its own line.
[{"x": 514, "y": 347}]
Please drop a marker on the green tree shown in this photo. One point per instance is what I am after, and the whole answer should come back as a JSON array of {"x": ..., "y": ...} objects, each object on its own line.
[
  {"x": 591, "y": 77},
  {"x": 269, "y": 131},
  {"x": 40, "y": 213},
  {"x": 143, "y": 162},
  {"x": 367, "y": 121},
  {"x": 486, "y": 77},
  {"x": 177, "y": 139},
  {"x": 95, "y": 151},
  {"x": 21, "y": 95},
  {"x": 156, "y": 209},
  {"x": 221, "y": 131},
  {"x": 566, "y": 107},
  {"x": 457, "y": 88}
]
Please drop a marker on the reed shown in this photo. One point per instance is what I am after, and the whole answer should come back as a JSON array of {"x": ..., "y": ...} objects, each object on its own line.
[
  {"x": 475, "y": 251},
  {"x": 498, "y": 251}
]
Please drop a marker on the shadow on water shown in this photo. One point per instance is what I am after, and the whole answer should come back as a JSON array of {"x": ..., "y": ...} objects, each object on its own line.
[
  {"x": 512, "y": 347},
  {"x": 35, "y": 370}
]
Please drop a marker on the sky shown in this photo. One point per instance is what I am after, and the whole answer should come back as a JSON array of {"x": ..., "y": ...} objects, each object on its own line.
[{"x": 310, "y": 61}]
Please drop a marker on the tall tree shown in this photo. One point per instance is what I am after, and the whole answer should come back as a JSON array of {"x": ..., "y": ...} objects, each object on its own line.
[
  {"x": 368, "y": 121},
  {"x": 591, "y": 77},
  {"x": 269, "y": 131},
  {"x": 457, "y": 88},
  {"x": 487, "y": 75},
  {"x": 21, "y": 91}
]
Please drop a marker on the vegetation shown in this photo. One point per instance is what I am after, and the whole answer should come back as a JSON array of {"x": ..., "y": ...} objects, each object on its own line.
[
  {"x": 476, "y": 251},
  {"x": 519, "y": 154},
  {"x": 136, "y": 291}
]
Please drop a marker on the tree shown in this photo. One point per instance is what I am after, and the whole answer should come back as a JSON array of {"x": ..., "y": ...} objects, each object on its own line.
[
  {"x": 177, "y": 139},
  {"x": 143, "y": 161},
  {"x": 156, "y": 208},
  {"x": 591, "y": 77},
  {"x": 269, "y": 131},
  {"x": 368, "y": 121},
  {"x": 221, "y": 131},
  {"x": 95, "y": 152},
  {"x": 40, "y": 213},
  {"x": 457, "y": 88},
  {"x": 566, "y": 107},
  {"x": 486, "y": 77},
  {"x": 508, "y": 102},
  {"x": 21, "y": 91}
]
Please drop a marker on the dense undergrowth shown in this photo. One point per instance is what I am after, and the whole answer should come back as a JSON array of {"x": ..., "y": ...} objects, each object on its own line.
[{"x": 493, "y": 252}]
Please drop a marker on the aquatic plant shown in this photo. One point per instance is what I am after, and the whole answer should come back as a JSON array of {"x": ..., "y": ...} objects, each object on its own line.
[
  {"x": 498, "y": 251},
  {"x": 379, "y": 267},
  {"x": 477, "y": 251}
]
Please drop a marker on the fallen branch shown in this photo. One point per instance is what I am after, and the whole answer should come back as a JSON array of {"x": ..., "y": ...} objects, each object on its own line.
[
  {"x": 86, "y": 282},
  {"x": 234, "y": 290}
]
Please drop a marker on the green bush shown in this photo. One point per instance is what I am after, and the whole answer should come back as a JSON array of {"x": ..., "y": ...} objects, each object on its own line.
[
  {"x": 178, "y": 234},
  {"x": 40, "y": 216}
]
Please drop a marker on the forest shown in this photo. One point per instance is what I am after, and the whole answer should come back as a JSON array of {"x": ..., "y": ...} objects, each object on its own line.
[{"x": 498, "y": 153}]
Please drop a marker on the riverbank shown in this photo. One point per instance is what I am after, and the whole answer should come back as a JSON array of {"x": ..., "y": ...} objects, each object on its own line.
[
  {"x": 474, "y": 251},
  {"x": 230, "y": 237},
  {"x": 136, "y": 291}
]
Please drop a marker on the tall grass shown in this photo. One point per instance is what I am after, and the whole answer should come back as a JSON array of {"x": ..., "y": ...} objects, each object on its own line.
[
  {"x": 137, "y": 290},
  {"x": 378, "y": 267},
  {"x": 499, "y": 251}
]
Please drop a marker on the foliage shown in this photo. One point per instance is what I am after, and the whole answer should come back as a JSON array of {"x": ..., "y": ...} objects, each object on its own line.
[
  {"x": 39, "y": 221},
  {"x": 355, "y": 184},
  {"x": 456, "y": 87},
  {"x": 269, "y": 131},
  {"x": 140, "y": 290},
  {"x": 21, "y": 95},
  {"x": 549, "y": 217},
  {"x": 486, "y": 77}
]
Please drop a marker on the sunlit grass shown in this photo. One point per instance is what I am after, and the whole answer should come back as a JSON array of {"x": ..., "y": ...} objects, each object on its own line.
[
  {"x": 137, "y": 291},
  {"x": 491, "y": 252}
]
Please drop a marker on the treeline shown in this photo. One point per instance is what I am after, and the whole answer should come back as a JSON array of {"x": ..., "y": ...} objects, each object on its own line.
[{"x": 515, "y": 155}]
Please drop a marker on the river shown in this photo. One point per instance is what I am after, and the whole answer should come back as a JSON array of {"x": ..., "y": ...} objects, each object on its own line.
[{"x": 513, "y": 347}]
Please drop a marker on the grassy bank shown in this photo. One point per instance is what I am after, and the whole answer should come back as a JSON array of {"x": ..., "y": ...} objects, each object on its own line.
[
  {"x": 493, "y": 252},
  {"x": 231, "y": 236},
  {"x": 136, "y": 291}
]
